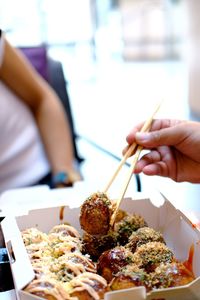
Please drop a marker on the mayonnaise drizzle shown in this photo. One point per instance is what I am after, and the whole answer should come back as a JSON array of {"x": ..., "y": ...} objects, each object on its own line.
[{"x": 85, "y": 281}]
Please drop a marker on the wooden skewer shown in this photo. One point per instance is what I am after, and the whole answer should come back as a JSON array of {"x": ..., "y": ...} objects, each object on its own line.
[
  {"x": 131, "y": 148},
  {"x": 146, "y": 127}
]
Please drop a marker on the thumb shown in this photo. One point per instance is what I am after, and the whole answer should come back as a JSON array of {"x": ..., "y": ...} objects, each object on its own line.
[{"x": 167, "y": 136}]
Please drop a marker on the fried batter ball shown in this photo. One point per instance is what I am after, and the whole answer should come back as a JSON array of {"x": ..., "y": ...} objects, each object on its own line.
[
  {"x": 66, "y": 270},
  {"x": 111, "y": 261},
  {"x": 130, "y": 276},
  {"x": 142, "y": 236},
  {"x": 127, "y": 225},
  {"x": 48, "y": 289},
  {"x": 79, "y": 258},
  {"x": 150, "y": 255},
  {"x": 70, "y": 265},
  {"x": 38, "y": 251},
  {"x": 96, "y": 245},
  {"x": 41, "y": 267},
  {"x": 171, "y": 275},
  {"x": 88, "y": 286},
  {"x": 70, "y": 244},
  {"x": 33, "y": 236},
  {"x": 121, "y": 214},
  {"x": 63, "y": 230},
  {"x": 95, "y": 214}
]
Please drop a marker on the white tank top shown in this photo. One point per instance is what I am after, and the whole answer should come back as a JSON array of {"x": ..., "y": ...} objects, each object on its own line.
[{"x": 22, "y": 158}]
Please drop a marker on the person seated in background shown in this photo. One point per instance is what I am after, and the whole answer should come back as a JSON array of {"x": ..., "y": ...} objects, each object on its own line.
[
  {"x": 35, "y": 140},
  {"x": 174, "y": 149}
]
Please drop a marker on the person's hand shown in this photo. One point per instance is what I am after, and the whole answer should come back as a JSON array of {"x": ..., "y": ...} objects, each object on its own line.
[{"x": 174, "y": 149}]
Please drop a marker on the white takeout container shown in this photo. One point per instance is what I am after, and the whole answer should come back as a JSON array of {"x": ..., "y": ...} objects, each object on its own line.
[{"x": 179, "y": 232}]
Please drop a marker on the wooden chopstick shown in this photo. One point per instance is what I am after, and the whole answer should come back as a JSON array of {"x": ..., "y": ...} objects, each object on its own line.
[
  {"x": 129, "y": 175},
  {"x": 131, "y": 148},
  {"x": 146, "y": 127}
]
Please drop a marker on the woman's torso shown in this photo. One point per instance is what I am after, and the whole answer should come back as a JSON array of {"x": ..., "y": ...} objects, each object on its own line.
[{"x": 22, "y": 158}]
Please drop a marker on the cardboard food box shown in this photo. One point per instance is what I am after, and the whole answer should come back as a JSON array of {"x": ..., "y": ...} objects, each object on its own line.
[{"x": 179, "y": 233}]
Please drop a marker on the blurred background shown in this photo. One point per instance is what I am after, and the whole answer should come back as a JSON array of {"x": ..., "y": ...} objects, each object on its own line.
[{"x": 119, "y": 58}]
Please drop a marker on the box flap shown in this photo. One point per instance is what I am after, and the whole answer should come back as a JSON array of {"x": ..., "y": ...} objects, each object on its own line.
[
  {"x": 19, "y": 260},
  {"x": 18, "y": 202},
  {"x": 186, "y": 292},
  {"x": 138, "y": 293}
]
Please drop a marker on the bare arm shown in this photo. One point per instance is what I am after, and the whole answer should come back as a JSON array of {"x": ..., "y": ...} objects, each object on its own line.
[{"x": 47, "y": 109}]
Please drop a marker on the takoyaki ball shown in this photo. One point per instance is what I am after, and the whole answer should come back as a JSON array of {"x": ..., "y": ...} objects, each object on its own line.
[
  {"x": 121, "y": 214},
  {"x": 38, "y": 251},
  {"x": 171, "y": 275},
  {"x": 150, "y": 255},
  {"x": 111, "y": 261},
  {"x": 79, "y": 259},
  {"x": 96, "y": 245},
  {"x": 33, "y": 236},
  {"x": 127, "y": 225},
  {"x": 70, "y": 244},
  {"x": 88, "y": 286},
  {"x": 66, "y": 270},
  {"x": 130, "y": 276},
  {"x": 95, "y": 214},
  {"x": 64, "y": 230},
  {"x": 142, "y": 236},
  {"x": 41, "y": 268},
  {"x": 48, "y": 289}
]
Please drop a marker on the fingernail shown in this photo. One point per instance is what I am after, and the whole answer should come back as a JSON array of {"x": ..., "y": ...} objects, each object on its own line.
[{"x": 142, "y": 136}]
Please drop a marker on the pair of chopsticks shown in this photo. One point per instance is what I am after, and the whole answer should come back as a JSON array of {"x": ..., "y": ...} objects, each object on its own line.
[{"x": 146, "y": 127}]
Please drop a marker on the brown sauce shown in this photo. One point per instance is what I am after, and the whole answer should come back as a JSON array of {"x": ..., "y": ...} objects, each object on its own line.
[
  {"x": 189, "y": 262},
  {"x": 61, "y": 214}
]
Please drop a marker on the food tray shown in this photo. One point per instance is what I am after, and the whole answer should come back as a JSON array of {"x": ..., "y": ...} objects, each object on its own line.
[{"x": 177, "y": 229}]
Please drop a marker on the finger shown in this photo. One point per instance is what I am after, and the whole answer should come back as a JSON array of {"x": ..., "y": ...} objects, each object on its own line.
[
  {"x": 157, "y": 124},
  {"x": 158, "y": 162},
  {"x": 159, "y": 169},
  {"x": 147, "y": 159},
  {"x": 125, "y": 150},
  {"x": 169, "y": 136},
  {"x": 131, "y": 136}
]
